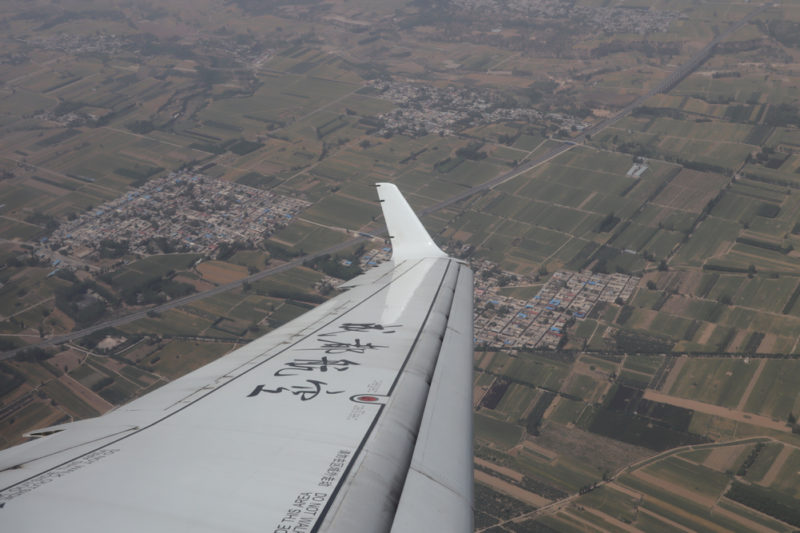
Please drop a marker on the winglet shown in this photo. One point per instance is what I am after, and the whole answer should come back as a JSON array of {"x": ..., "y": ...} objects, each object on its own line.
[{"x": 409, "y": 238}]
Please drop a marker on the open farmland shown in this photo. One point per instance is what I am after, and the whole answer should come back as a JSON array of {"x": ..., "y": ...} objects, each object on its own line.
[{"x": 667, "y": 405}]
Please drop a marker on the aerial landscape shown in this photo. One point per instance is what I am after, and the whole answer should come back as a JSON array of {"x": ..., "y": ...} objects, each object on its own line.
[{"x": 179, "y": 178}]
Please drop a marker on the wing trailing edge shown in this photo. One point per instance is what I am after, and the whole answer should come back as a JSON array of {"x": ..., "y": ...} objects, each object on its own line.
[{"x": 410, "y": 239}]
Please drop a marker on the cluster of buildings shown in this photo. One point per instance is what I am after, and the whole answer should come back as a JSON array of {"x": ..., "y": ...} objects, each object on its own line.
[
  {"x": 73, "y": 119},
  {"x": 541, "y": 322},
  {"x": 375, "y": 257},
  {"x": 423, "y": 109},
  {"x": 73, "y": 43},
  {"x": 249, "y": 54},
  {"x": 607, "y": 19},
  {"x": 182, "y": 211}
]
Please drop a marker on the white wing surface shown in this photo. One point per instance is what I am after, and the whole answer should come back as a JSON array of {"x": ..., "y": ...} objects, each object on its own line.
[{"x": 355, "y": 417}]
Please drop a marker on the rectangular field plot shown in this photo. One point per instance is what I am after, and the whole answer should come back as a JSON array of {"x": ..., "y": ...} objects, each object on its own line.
[
  {"x": 339, "y": 210},
  {"x": 710, "y": 237},
  {"x": 489, "y": 430},
  {"x": 695, "y": 478},
  {"x": 775, "y": 394},
  {"x": 691, "y": 190},
  {"x": 714, "y": 380},
  {"x": 180, "y": 357},
  {"x": 537, "y": 371}
]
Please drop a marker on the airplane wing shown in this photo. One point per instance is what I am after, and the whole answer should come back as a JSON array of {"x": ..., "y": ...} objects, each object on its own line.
[{"x": 355, "y": 417}]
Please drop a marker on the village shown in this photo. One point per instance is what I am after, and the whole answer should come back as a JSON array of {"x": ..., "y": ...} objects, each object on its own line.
[
  {"x": 424, "y": 109},
  {"x": 542, "y": 321},
  {"x": 181, "y": 212}
]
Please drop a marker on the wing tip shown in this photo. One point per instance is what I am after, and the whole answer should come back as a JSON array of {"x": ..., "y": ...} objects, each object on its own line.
[{"x": 409, "y": 238}]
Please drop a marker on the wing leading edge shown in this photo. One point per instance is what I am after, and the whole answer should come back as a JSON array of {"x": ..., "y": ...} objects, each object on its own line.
[{"x": 354, "y": 417}]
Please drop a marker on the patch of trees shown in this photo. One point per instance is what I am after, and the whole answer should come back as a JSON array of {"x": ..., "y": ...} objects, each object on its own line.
[
  {"x": 332, "y": 266},
  {"x": 700, "y": 166},
  {"x": 775, "y": 247},
  {"x": 141, "y": 127},
  {"x": 33, "y": 355},
  {"x": 608, "y": 223},
  {"x": 534, "y": 419},
  {"x": 243, "y": 147},
  {"x": 155, "y": 290},
  {"x": 279, "y": 251},
  {"x": 767, "y": 501},
  {"x": 637, "y": 149},
  {"x": 508, "y": 139},
  {"x": 792, "y": 300},
  {"x": 626, "y": 416},
  {"x": 58, "y": 137},
  {"x": 162, "y": 244},
  {"x": 7, "y": 344},
  {"x": 640, "y": 430},
  {"x": 10, "y": 378},
  {"x": 102, "y": 384},
  {"x": 472, "y": 152},
  {"x": 138, "y": 174},
  {"x": 633, "y": 342},
  {"x": 68, "y": 106},
  {"x": 226, "y": 249},
  {"x": 41, "y": 219},
  {"x": 76, "y": 302},
  {"x": 91, "y": 340},
  {"x": 785, "y": 31},
  {"x": 750, "y": 459},
  {"x": 648, "y": 48},
  {"x": 495, "y": 393},
  {"x": 624, "y": 314},
  {"x": 446, "y": 165},
  {"x": 754, "y": 342},
  {"x": 769, "y": 158},
  {"x": 331, "y": 126},
  {"x": 646, "y": 111},
  {"x": 111, "y": 249},
  {"x": 782, "y": 115},
  {"x": 768, "y": 210},
  {"x": 586, "y": 76},
  {"x": 692, "y": 330},
  {"x": 373, "y": 122},
  {"x": 254, "y": 179},
  {"x": 106, "y": 119}
]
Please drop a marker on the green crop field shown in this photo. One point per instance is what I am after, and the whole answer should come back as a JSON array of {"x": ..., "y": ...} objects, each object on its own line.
[
  {"x": 763, "y": 462},
  {"x": 64, "y": 396},
  {"x": 173, "y": 322},
  {"x": 720, "y": 382},
  {"x": 775, "y": 394},
  {"x": 492, "y": 431},
  {"x": 567, "y": 411},
  {"x": 342, "y": 211},
  {"x": 516, "y": 401},
  {"x": 612, "y": 502},
  {"x": 583, "y": 387},
  {"x": 536, "y": 371},
  {"x": 180, "y": 357},
  {"x": 692, "y": 477}
]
